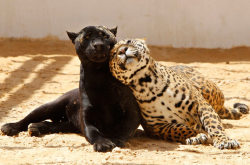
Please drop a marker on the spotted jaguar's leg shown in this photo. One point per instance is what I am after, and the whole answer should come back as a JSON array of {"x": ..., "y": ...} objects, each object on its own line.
[
  {"x": 179, "y": 133},
  {"x": 201, "y": 138},
  {"x": 213, "y": 126},
  {"x": 215, "y": 97},
  {"x": 233, "y": 113}
]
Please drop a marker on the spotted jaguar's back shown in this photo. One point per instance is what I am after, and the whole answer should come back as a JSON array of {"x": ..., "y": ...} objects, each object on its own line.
[
  {"x": 211, "y": 92},
  {"x": 177, "y": 103}
]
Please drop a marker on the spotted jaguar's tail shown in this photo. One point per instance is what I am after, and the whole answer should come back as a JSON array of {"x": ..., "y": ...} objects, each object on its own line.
[{"x": 234, "y": 113}]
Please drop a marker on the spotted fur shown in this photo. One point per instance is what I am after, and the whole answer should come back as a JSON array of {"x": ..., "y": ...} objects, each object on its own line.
[{"x": 177, "y": 103}]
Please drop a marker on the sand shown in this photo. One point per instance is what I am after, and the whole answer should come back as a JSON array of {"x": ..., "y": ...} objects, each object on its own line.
[{"x": 33, "y": 72}]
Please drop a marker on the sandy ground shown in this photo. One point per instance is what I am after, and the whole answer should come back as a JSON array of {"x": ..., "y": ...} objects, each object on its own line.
[{"x": 33, "y": 72}]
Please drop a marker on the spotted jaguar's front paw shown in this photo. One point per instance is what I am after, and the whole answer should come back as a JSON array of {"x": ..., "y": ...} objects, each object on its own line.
[
  {"x": 227, "y": 144},
  {"x": 201, "y": 138},
  {"x": 243, "y": 108}
]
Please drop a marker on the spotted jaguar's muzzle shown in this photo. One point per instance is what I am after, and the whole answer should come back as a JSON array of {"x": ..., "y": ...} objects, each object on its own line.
[{"x": 127, "y": 54}]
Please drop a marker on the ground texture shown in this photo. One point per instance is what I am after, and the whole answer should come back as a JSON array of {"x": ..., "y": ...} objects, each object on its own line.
[{"x": 33, "y": 72}]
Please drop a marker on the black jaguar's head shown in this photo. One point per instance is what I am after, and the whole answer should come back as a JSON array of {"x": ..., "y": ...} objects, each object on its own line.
[{"x": 93, "y": 43}]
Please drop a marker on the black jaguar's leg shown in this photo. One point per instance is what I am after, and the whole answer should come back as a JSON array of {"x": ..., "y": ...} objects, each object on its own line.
[
  {"x": 12, "y": 129},
  {"x": 55, "y": 110},
  {"x": 45, "y": 127},
  {"x": 37, "y": 115},
  {"x": 93, "y": 135},
  {"x": 88, "y": 123},
  {"x": 131, "y": 118}
]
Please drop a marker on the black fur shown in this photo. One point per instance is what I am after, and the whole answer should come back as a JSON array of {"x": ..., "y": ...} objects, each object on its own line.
[{"x": 103, "y": 110}]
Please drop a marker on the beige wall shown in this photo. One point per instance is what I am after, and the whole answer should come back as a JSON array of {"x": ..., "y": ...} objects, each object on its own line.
[{"x": 178, "y": 23}]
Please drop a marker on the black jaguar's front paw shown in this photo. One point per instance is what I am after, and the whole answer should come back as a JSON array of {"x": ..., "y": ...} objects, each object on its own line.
[
  {"x": 11, "y": 129},
  {"x": 36, "y": 128},
  {"x": 104, "y": 145},
  {"x": 119, "y": 143}
]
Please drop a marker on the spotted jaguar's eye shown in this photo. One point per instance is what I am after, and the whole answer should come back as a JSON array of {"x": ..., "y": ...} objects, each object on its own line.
[{"x": 120, "y": 52}]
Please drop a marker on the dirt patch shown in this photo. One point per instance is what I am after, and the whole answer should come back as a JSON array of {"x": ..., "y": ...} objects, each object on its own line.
[{"x": 33, "y": 72}]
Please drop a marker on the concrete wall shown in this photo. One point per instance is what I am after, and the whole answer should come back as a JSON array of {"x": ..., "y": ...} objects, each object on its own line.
[{"x": 178, "y": 23}]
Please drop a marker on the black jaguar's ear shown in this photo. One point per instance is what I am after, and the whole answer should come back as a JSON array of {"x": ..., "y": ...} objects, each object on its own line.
[
  {"x": 72, "y": 36},
  {"x": 114, "y": 30}
]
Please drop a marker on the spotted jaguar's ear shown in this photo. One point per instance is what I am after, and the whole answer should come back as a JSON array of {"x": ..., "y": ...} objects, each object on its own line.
[
  {"x": 142, "y": 39},
  {"x": 113, "y": 52},
  {"x": 114, "y": 30},
  {"x": 72, "y": 36}
]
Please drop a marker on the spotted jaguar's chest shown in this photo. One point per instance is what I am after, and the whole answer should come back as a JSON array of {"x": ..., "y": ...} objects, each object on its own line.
[{"x": 163, "y": 96}]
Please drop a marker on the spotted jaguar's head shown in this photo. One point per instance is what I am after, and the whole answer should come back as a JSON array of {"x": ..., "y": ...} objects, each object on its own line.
[{"x": 128, "y": 58}]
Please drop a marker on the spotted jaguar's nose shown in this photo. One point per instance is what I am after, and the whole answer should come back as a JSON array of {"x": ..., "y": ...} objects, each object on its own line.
[
  {"x": 122, "y": 50},
  {"x": 127, "y": 52}
]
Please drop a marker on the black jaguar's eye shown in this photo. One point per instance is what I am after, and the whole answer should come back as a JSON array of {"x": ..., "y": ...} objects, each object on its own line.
[
  {"x": 86, "y": 37},
  {"x": 106, "y": 37}
]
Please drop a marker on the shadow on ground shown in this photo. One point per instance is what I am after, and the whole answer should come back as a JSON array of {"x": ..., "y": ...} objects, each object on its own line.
[{"x": 18, "y": 76}]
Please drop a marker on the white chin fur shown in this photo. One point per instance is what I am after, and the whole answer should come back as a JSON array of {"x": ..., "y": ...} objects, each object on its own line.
[
  {"x": 130, "y": 61},
  {"x": 122, "y": 58}
]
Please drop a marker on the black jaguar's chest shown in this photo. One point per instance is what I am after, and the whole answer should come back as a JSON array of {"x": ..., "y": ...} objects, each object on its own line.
[
  {"x": 103, "y": 94},
  {"x": 101, "y": 87}
]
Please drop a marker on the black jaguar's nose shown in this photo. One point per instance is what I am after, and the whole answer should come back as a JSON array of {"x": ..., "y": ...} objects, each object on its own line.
[{"x": 98, "y": 46}]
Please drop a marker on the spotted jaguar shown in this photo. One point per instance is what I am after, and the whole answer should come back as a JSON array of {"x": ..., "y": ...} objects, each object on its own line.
[{"x": 177, "y": 103}]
